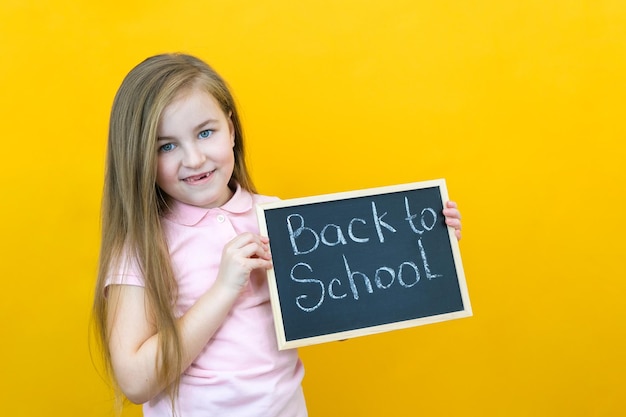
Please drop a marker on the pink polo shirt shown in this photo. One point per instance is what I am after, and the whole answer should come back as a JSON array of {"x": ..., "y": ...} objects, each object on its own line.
[{"x": 240, "y": 372}]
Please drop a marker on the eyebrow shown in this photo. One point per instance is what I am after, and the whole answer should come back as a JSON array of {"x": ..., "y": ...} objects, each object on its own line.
[{"x": 198, "y": 127}]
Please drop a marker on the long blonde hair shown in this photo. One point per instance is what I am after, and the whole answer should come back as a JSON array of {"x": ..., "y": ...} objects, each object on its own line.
[{"x": 133, "y": 204}]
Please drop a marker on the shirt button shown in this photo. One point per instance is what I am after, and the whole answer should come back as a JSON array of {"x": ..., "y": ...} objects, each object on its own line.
[{"x": 221, "y": 218}]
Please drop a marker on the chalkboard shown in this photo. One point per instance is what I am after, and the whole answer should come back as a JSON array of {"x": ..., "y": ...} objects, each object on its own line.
[{"x": 362, "y": 262}]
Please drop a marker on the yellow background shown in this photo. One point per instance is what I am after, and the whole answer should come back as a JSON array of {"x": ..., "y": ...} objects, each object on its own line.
[{"x": 518, "y": 104}]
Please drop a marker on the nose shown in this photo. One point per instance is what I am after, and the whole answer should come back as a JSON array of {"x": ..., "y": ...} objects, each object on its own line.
[{"x": 193, "y": 157}]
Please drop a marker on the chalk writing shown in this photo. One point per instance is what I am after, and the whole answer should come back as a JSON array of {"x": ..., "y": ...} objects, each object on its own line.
[{"x": 332, "y": 234}]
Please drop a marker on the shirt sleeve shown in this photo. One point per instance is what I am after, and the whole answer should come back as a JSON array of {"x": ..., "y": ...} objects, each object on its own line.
[{"x": 127, "y": 273}]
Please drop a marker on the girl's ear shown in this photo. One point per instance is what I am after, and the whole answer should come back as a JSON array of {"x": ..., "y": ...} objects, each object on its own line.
[{"x": 231, "y": 126}]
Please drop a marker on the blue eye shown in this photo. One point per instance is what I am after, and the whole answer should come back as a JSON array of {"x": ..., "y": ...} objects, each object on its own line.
[
  {"x": 167, "y": 147},
  {"x": 205, "y": 134}
]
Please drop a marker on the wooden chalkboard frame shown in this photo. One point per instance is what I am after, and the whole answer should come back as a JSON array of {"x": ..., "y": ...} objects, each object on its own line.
[{"x": 283, "y": 343}]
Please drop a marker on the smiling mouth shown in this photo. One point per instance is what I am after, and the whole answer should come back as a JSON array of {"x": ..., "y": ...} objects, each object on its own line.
[{"x": 197, "y": 178}]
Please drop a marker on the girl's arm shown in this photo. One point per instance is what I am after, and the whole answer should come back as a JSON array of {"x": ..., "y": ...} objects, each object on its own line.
[
  {"x": 134, "y": 339},
  {"x": 453, "y": 218}
]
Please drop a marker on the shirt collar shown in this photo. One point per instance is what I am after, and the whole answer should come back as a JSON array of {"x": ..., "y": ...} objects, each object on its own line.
[{"x": 189, "y": 215}]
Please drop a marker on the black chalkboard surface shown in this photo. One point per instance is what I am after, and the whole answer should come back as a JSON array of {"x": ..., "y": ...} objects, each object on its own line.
[{"x": 362, "y": 262}]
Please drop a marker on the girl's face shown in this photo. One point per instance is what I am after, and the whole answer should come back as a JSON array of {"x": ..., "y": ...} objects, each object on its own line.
[{"x": 195, "y": 158}]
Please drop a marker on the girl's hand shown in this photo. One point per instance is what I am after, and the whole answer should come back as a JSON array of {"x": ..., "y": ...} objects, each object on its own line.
[
  {"x": 453, "y": 218},
  {"x": 241, "y": 256}
]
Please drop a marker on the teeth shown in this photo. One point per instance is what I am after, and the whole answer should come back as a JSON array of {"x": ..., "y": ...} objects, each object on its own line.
[{"x": 196, "y": 177}]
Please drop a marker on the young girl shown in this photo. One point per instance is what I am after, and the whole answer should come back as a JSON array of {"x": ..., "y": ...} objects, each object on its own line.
[{"x": 181, "y": 303}]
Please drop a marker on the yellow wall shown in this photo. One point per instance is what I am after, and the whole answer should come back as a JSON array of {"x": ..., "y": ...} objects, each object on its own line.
[{"x": 518, "y": 104}]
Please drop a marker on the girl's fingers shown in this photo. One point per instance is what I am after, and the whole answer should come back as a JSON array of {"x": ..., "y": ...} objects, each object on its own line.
[
  {"x": 249, "y": 245},
  {"x": 255, "y": 250},
  {"x": 453, "y": 222},
  {"x": 453, "y": 217},
  {"x": 247, "y": 239},
  {"x": 451, "y": 210}
]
